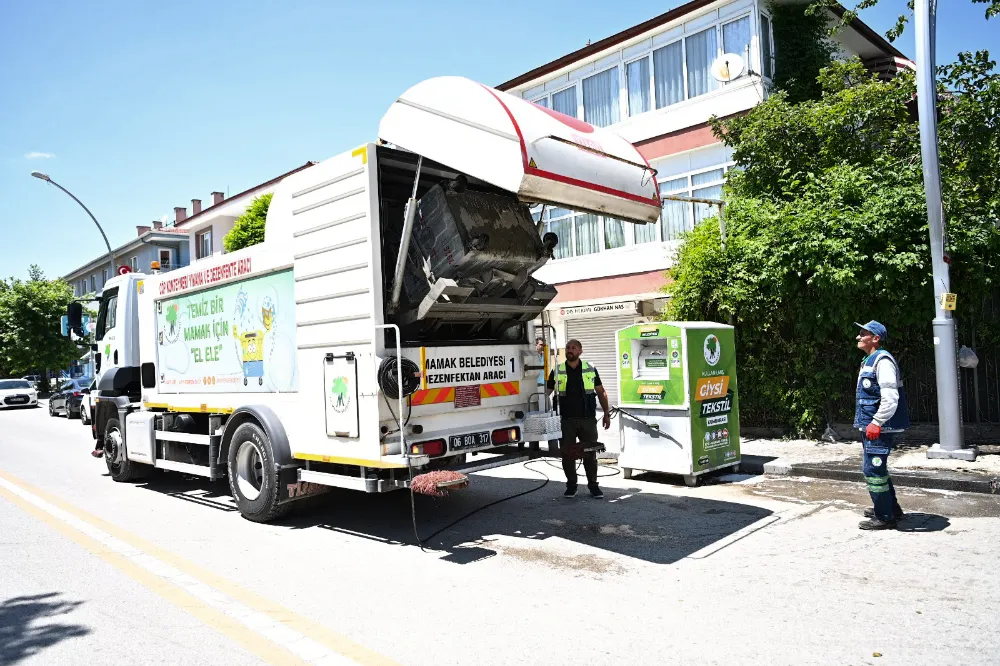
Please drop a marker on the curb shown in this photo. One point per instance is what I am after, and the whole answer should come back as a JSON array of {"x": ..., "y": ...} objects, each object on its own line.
[{"x": 850, "y": 471}]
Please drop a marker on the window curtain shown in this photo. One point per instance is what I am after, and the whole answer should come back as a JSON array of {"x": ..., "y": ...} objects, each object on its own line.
[
  {"x": 702, "y": 49},
  {"x": 668, "y": 73},
  {"x": 563, "y": 228},
  {"x": 543, "y": 102},
  {"x": 644, "y": 233},
  {"x": 676, "y": 215},
  {"x": 703, "y": 211},
  {"x": 564, "y": 101},
  {"x": 614, "y": 233},
  {"x": 637, "y": 79},
  {"x": 600, "y": 98},
  {"x": 736, "y": 39},
  {"x": 586, "y": 235}
]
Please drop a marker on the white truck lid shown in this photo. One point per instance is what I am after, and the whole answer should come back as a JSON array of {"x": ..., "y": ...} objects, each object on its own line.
[{"x": 538, "y": 154}]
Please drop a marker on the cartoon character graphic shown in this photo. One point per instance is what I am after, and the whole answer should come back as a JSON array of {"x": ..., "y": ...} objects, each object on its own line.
[
  {"x": 252, "y": 343},
  {"x": 267, "y": 312}
]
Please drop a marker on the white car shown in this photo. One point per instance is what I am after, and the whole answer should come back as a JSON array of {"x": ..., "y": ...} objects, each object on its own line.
[
  {"x": 17, "y": 393},
  {"x": 87, "y": 403}
]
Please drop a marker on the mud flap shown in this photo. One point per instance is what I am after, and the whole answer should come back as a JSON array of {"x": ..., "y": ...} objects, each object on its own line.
[{"x": 291, "y": 489}]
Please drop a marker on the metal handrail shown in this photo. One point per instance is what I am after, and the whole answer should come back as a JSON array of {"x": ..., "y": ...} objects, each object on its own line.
[{"x": 399, "y": 387}]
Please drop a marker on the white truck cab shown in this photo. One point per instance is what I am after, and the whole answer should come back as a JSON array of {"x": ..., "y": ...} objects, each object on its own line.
[{"x": 384, "y": 328}]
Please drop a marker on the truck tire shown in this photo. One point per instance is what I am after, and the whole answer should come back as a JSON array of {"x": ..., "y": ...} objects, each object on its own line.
[
  {"x": 120, "y": 467},
  {"x": 253, "y": 475}
]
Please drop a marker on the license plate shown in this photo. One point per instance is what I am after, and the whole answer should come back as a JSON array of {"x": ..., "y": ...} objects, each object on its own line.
[
  {"x": 472, "y": 440},
  {"x": 17, "y": 400}
]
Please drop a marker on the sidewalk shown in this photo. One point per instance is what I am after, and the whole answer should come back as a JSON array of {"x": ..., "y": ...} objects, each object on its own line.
[{"x": 841, "y": 461}]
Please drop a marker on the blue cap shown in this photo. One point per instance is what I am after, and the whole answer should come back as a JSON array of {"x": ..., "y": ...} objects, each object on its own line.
[{"x": 874, "y": 328}]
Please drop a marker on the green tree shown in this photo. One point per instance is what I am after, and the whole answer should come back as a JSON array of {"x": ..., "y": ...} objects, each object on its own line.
[
  {"x": 30, "y": 312},
  {"x": 801, "y": 50},
  {"x": 248, "y": 229},
  {"x": 826, "y": 225},
  {"x": 992, "y": 10}
]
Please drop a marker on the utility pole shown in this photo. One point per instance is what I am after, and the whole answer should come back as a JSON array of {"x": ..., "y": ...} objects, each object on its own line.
[
  {"x": 943, "y": 325},
  {"x": 111, "y": 255}
]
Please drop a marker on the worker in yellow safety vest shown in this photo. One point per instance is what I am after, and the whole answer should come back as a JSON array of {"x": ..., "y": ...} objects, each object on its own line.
[{"x": 579, "y": 388}]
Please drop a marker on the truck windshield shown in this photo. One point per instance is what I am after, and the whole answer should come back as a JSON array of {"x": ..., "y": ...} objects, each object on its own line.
[{"x": 107, "y": 314}]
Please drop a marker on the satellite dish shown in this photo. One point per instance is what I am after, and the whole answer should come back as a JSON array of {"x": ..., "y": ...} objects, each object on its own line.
[{"x": 727, "y": 67}]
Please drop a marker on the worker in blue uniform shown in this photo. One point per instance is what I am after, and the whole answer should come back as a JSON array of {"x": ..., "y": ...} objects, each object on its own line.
[{"x": 880, "y": 413}]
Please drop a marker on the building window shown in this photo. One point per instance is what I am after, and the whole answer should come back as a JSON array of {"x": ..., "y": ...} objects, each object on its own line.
[
  {"x": 702, "y": 49},
  {"x": 766, "y": 47},
  {"x": 679, "y": 217},
  {"x": 165, "y": 263},
  {"x": 614, "y": 233},
  {"x": 668, "y": 74},
  {"x": 585, "y": 239},
  {"x": 663, "y": 76},
  {"x": 134, "y": 263},
  {"x": 736, "y": 38},
  {"x": 93, "y": 283},
  {"x": 104, "y": 277},
  {"x": 637, "y": 82},
  {"x": 601, "y": 94},
  {"x": 563, "y": 101},
  {"x": 582, "y": 234},
  {"x": 203, "y": 244}
]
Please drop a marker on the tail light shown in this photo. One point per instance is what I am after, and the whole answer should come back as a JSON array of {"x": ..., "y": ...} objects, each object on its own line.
[
  {"x": 506, "y": 435},
  {"x": 76, "y": 394},
  {"x": 434, "y": 447}
]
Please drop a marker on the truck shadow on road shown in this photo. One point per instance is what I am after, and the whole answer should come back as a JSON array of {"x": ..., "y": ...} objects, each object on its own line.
[
  {"x": 27, "y": 626},
  {"x": 655, "y": 528}
]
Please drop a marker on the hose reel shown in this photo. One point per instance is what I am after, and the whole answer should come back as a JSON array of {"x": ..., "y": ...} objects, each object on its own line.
[{"x": 389, "y": 370}]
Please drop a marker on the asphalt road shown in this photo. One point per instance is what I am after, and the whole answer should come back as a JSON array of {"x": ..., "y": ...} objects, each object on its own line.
[{"x": 749, "y": 570}]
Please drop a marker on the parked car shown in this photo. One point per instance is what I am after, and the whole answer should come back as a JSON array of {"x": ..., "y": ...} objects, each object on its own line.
[
  {"x": 87, "y": 403},
  {"x": 17, "y": 393},
  {"x": 66, "y": 400}
]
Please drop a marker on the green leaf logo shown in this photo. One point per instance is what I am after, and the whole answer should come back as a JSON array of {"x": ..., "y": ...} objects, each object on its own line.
[{"x": 712, "y": 349}]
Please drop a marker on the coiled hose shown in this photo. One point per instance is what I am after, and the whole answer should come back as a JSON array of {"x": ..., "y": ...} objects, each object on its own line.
[{"x": 389, "y": 369}]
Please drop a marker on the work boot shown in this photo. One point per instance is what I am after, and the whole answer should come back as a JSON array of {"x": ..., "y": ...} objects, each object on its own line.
[
  {"x": 570, "y": 492},
  {"x": 896, "y": 513},
  {"x": 596, "y": 493},
  {"x": 876, "y": 524}
]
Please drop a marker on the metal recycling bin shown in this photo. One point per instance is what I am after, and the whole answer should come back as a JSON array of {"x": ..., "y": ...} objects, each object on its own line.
[{"x": 678, "y": 398}]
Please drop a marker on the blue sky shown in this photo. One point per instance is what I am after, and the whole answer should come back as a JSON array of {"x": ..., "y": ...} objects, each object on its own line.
[{"x": 139, "y": 107}]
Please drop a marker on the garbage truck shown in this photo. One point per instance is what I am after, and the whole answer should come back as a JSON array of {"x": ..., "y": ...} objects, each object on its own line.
[{"x": 384, "y": 328}]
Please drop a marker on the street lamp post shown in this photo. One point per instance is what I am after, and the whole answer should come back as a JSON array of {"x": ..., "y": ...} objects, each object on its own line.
[
  {"x": 943, "y": 325},
  {"x": 111, "y": 255}
]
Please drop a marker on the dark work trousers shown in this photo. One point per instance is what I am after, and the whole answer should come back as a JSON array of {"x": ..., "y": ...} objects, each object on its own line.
[
  {"x": 876, "y": 470},
  {"x": 583, "y": 430}
]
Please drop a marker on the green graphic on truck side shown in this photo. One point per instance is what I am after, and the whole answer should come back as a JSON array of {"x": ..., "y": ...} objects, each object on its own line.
[{"x": 232, "y": 338}]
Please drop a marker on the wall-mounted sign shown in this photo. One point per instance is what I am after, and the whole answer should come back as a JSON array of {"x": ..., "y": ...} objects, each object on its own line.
[{"x": 599, "y": 309}]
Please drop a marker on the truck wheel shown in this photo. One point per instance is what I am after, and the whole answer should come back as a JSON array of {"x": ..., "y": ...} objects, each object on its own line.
[
  {"x": 84, "y": 417},
  {"x": 253, "y": 478},
  {"x": 119, "y": 466}
]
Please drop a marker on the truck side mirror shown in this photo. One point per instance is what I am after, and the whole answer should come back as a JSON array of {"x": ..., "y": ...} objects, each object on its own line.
[{"x": 74, "y": 313}]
